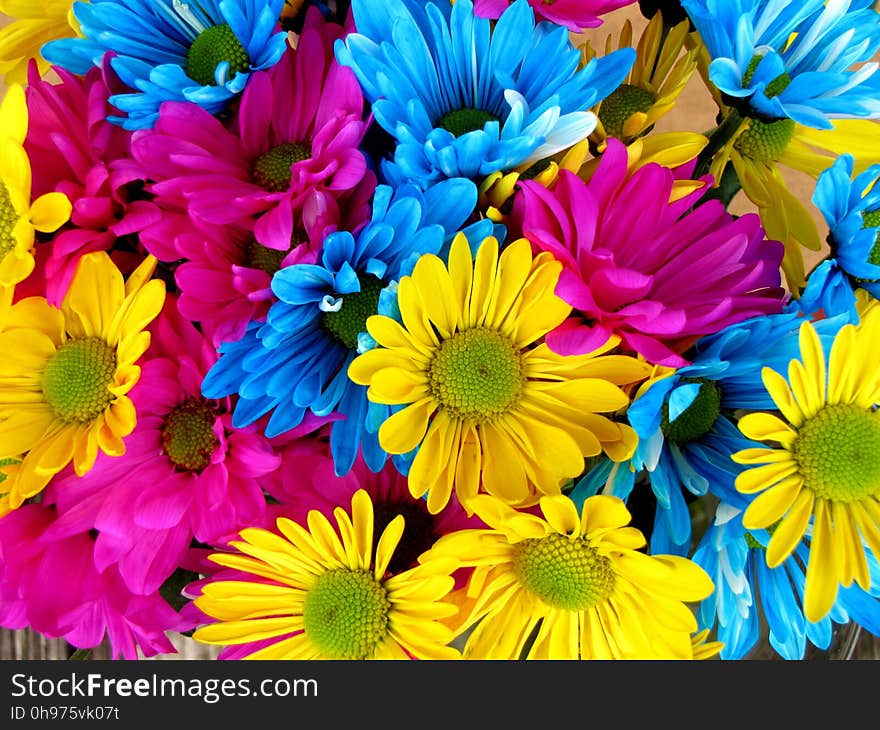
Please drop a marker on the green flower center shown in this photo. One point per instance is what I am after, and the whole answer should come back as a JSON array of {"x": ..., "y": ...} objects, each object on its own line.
[
  {"x": 258, "y": 256},
  {"x": 8, "y": 219},
  {"x": 271, "y": 170},
  {"x": 213, "y": 46},
  {"x": 871, "y": 219},
  {"x": 187, "y": 435},
  {"x": 838, "y": 453},
  {"x": 347, "y": 322},
  {"x": 698, "y": 418},
  {"x": 775, "y": 87},
  {"x": 477, "y": 374},
  {"x": 462, "y": 121},
  {"x": 765, "y": 141},
  {"x": 620, "y": 105},
  {"x": 345, "y": 614},
  {"x": 76, "y": 378},
  {"x": 754, "y": 543},
  {"x": 563, "y": 572}
]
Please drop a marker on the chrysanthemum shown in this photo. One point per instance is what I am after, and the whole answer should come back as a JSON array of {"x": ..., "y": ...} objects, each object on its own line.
[
  {"x": 576, "y": 15},
  {"x": 67, "y": 372},
  {"x": 166, "y": 50},
  {"x": 296, "y": 361},
  {"x": 19, "y": 216},
  {"x": 487, "y": 407},
  {"x": 577, "y": 583},
  {"x": 823, "y": 467},
  {"x": 74, "y": 151},
  {"x": 33, "y": 24},
  {"x": 751, "y": 598},
  {"x": 186, "y": 472},
  {"x": 649, "y": 270},
  {"x": 325, "y": 592},
  {"x": 294, "y": 141},
  {"x": 462, "y": 96}
]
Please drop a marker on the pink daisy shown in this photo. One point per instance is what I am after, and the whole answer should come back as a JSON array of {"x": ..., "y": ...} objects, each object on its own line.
[
  {"x": 573, "y": 14},
  {"x": 293, "y": 145},
  {"x": 74, "y": 150},
  {"x": 656, "y": 273}
]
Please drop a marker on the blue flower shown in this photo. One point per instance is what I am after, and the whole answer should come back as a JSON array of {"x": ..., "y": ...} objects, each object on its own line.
[
  {"x": 796, "y": 59},
  {"x": 735, "y": 560},
  {"x": 201, "y": 51},
  {"x": 298, "y": 359},
  {"x": 462, "y": 96}
]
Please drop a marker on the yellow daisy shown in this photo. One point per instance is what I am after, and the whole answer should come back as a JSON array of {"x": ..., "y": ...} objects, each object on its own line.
[
  {"x": 19, "y": 217},
  {"x": 484, "y": 404},
  {"x": 66, "y": 372},
  {"x": 822, "y": 473},
  {"x": 35, "y": 23},
  {"x": 577, "y": 586},
  {"x": 325, "y": 593}
]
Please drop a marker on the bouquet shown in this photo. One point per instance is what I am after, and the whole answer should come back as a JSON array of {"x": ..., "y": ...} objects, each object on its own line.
[{"x": 396, "y": 329}]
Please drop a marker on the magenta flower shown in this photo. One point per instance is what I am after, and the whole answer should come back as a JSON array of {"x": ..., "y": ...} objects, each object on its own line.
[
  {"x": 656, "y": 273},
  {"x": 53, "y": 585},
  {"x": 573, "y": 14},
  {"x": 292, "y": 147},
  {"x": 74, "y": 150}
]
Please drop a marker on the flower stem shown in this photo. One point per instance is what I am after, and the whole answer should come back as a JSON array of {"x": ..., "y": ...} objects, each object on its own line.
[{"x": 719, "y": 137}]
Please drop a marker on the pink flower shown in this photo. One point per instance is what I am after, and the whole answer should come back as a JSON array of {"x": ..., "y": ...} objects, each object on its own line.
[
  {"x": 658, "y": 274},
  {"x": 573, "y": 14}
]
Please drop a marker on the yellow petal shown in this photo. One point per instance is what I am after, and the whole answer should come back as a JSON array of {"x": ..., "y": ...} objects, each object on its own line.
[
  {"x": 790, "y": 530},
  {"x": 50, "y": 211},
  {"x": 403, "y": 431}
]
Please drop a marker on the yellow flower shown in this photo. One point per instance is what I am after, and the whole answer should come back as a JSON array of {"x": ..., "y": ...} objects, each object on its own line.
[
  {"x": 326, "y": 594},
  {"x": 66, "y": 372},
  {"x": 35, "y": 23},
  {"x": 821, "y": 476},
  {"x": 578, "y": 584},
  {"x": 19, "y": 217},
  {"x": 484, "y": 404}
]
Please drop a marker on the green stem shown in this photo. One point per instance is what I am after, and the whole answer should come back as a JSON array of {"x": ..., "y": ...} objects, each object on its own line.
[
  {"x": 719, "y": 137},
  {"x": 81, "y": 655}
]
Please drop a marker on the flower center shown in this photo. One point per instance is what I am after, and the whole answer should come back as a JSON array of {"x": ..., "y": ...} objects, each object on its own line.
[
  {"x": 765, "y": 141},
  {"x": 258, "y": 256},
  {"x": 419, "y": 534},
  {"x": 838, "y": 452},
  {"x": 775, "y": 87},
  {"x": 754, "y": 543},
  {"x": 620, "y": 105},
  {"x": 187, "y": 435},
  {"x": 8, "y": 219},
  {"x": 477, "y": 374},
  {"x": 213, "y": 46},
  {"x": 271, "y": 170},
  {"x": 563, "y": 572},
  {"x": 350, "y": 319},
  {"x": 345, "y": 614},
  {"x": 462, "y": 121},
  {"x": 76, "y": 378},
  {"x": 698, "y": 418}
]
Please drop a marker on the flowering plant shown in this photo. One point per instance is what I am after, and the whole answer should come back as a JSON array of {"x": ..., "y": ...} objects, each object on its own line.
[{"x": 396, "y": 329}]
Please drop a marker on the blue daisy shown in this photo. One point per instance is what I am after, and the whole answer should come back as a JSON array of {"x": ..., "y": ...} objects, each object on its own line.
[
  {"x": 750, "y": 596},
  {"x": 462, "y": 96},
  {"x": 298, "y": 359},
  {"x": 168, "y": 50},
  {"x": 796, "y": 59}
]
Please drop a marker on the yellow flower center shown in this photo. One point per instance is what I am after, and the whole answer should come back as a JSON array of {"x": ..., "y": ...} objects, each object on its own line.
[
  {"x": 838, "y": 453},
  {"x": 345, "y": 614},
  {"x": 271, "y": 170},
  {"x": 698, "y": 418},
  {"x": 620, "y": 105},
  {"x": 765, "y": 141},
  {"x": 346, "y": 323},
  {"x": 564, "y": 572},
  {"x": 213, "y": 46},
  {"x": 462, "y": 121},
  {"x": 76, "y": 378},
  {"x": 477, "y": 374},
  {"x": 8, "y": 218},
  {"x": 187, "y": 434}
]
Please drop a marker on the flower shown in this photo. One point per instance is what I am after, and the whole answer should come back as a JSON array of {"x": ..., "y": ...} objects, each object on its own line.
[
  {"x": 19, "y": 217},
  {"x": 576, "y": 15},
  {"x": 804, "y": 61},
  {"x": 326, "y": 593},
  {"x": 291, "y": 151},
  {"x": 453, "y": 117},
  {"x": 33, "y": 25},
  {"x": 297, "y": 360},
  {"x": 577, "y": 582},
  {"x": 486, "y": 405},
  {"x": 164, "y": 50},
  {"x": 64, "y": 383},
  {"x": 825, "y": 468},
  {"x": 638, "y": 281}
]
